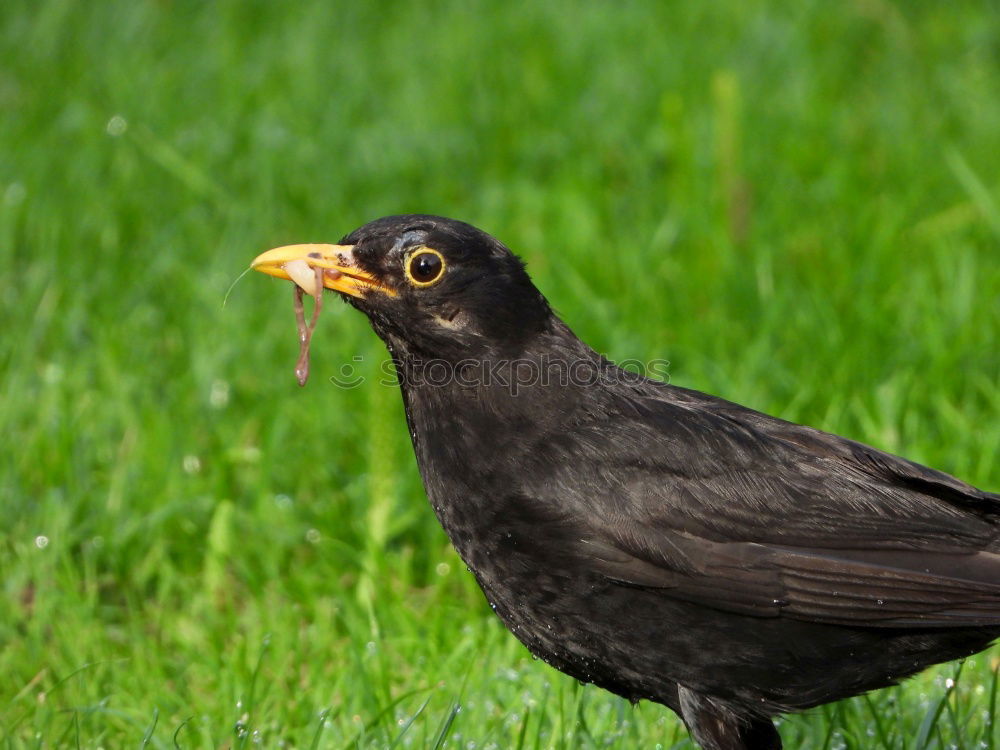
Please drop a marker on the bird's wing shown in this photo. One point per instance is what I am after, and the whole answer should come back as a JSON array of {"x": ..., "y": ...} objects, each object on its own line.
[
  {"x": 854, "y": 456},
  {"x": 726, "y": 507},
  {"x": 877, "y": 589}
]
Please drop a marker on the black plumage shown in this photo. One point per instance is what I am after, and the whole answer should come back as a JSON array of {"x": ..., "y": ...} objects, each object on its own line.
[{"x": 659, "y": 542}]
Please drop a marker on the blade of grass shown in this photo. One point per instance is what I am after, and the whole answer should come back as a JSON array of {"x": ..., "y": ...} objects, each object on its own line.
[
  {"x": 320, "y": 724},
  {"x": 524, "y": 729},
  {"x": 148, "y": 735},
  {"x": 184, "y": 723},
  {"x": 409, "y": 723},
  {"x": 880, "y": 731},
  {"x": 445, "y": 729},
  {"x": 929, "y": 724},
  {"x": 991, "y": 716}
]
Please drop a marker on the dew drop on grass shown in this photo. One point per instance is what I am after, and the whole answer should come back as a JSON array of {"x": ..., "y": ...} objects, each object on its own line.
[
  {"x": 52, "y": 373},
  {"x": 116, "y": 126},
  {"x": 14, "y": 194},
  {"x": 218, "y": 396},
  {"x": 240, "y": 729},
  {"x": 41, "y": 541}
]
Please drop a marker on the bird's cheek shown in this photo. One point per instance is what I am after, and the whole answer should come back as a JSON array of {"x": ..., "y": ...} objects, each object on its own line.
[{"x": 453, "y": 320}]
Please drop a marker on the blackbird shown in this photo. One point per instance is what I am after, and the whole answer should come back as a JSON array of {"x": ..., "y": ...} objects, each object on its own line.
[{"x": 659, "y": 542}]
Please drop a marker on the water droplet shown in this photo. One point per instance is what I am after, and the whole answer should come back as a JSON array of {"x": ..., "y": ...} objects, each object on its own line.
[
  {"x": 41, "y": 541},
  {"x": 218, "y": 396},
  {"x": 191, "y": 464},
  {"x": 312, "y": 536},
  {"x": 14, "y": 194},
  {"x": 249, "y": 454},
  {"x": 241, "y": 729},
  {"x": 52, "y": 373},
  {"x": 116, "y": 126}
]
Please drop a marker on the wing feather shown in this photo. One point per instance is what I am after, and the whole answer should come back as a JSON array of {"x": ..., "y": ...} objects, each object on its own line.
[
  {"x": 729, "y": 508},
  {"x": 771, "y": 581}
]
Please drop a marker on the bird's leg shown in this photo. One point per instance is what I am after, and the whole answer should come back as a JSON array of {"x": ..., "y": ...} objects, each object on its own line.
[{"x": 715, "y": 726}]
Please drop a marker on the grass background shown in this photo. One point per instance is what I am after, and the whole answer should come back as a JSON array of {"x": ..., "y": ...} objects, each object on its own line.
[{"x": 796, "y": 203}]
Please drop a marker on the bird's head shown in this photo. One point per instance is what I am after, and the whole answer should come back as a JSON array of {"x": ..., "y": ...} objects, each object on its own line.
[{"x": 430, "y": 286}]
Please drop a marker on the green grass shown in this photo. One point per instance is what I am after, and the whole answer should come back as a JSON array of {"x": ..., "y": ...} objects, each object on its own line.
[{"x": 796, "y": 203}]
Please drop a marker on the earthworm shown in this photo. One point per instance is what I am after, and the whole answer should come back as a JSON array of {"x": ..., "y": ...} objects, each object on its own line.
[{"x": 306, "y": 331}]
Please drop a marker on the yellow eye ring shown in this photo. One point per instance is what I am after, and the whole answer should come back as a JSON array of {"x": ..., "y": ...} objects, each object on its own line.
[{"x": 424, "y": 267}]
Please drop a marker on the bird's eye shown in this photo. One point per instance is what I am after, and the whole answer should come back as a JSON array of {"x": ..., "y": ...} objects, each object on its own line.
[{"x": 425, "y": 267}]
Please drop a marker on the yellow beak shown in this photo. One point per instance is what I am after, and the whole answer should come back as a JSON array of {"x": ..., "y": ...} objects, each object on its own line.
[{"x": 340, "y": 271}]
